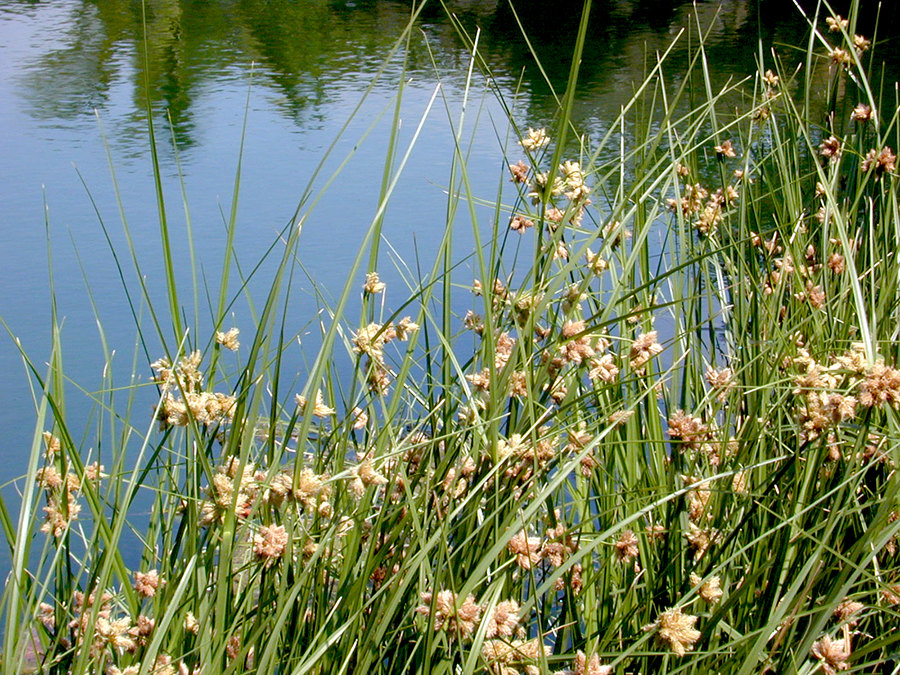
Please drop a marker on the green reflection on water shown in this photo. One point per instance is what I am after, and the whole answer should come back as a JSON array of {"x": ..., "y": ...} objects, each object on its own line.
[{"x": 309, "y": 50}]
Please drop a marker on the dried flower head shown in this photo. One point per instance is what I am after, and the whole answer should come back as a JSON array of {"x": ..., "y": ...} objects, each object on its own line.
[
  {"x": 229, "y": 339},
  {"x": 515, "y": 657},
  {"x": 48, "y": 478},
  {"x": 373, "y": 284},
  {"x": 526, "y": 549},
  {"x": 360, "y": 418},
  {"x": 520, "y": 223},
  {"x": 675, "y": 630},
  {"x": 726, "y": 149},
  {"x": 147, "y": 583},
  {"x": 840, "y": 57},
  {"x": 861, "y": 113},
  {"x": 577, "y": 345},
  {"x": 846, "y": 612},
  {"x": 535, "y": 139},
  {"x": 721, "y": 380},
  {"x": 191, "y": 625},
  {"x": 884, "y": 161},
  {"x": 405, "y": 328},
  {"x": 832, "y": 654},
  {"x": 836, "y": 23},
  {"x": 51, "y": 443},
  {"x": 319, "y": 410},
  {"x": 519, "y": 172},
  {"x": 459, "y": 620},
  {"x": 644, "y": 348},
  {"x": 604, "y": 369},
  {"x": 269, "y": 543},
  {"x": 710, "y": 590},
  {"x": 503, "y": 621},
  {"x": 114, "y": 633},
  {"x": 626, "y": 547},
  {"x": 586, "y": 666},
  {"x": 881, "y": 386},
  {"x": 830, "y": 149},
  {"x": 615, "y": 233}
]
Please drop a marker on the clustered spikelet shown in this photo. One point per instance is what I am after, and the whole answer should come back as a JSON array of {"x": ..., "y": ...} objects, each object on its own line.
[
  {"x": 691, "y": 431},
  {"x": 604, "y": 369},
  {"x": 516, "y": 657},
  {"x": 52, "y": 444},
  {"x": 644, "y": 348},
  {"x": 861, "y": 113},
  {"x": 147, "y": 583},
  {"x": 458, "y": 619},
  {"x": 319, "y": 409},
  {"x": 503, "y": 621},
  {"x": 535, "y": 139},
  {"x": 830, "y": 390},
  {"x": 880, "y": 162},
  {"x": 880, "y": 387},
  {"x": 830, "y": 149},
  {"x": 370, "y": 341},
  {"x": 831, "y": 654},
  {"x": 364, "y": 475},
  {"x": 848, "y": 612},
  {"x": 840, "y": 57},
  {"x": 726, "y": 149},
  {"x": 675, "y": 630},
  {"x": 836, "y": 23},
  {"x": 721, "y": 381},
  {"x": 373, "y": 284},
  {"x": 269, "y": 543},
  {"x": 710, "y": 590},
  {"x": 311, "y": 493},
  {"x": 573, "y": 177},
  {"x": 577, "y": 345},
  {"x": 586, "y": 666},
  {"x": 626, "y": 547},
  {"x": 61, "y": 492},
  {"x": 184, "y": 400},
  {"x": 527, "y": 549},
  {"x": 519, "y": 172},
  {"x": 523, "y": 457},
  {"x": 519, "y": 223},
  {"x": 229, "y": 339}
]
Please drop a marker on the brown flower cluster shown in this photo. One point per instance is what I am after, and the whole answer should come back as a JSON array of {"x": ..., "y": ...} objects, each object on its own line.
[
  {"x": 370, "y": 341},
  {"x": 832, "y": 655},
  {"x": 183, "y": 398},
  {"x": 554, "y": 548},
  {"x": 586, "y": 666},
  {"x": 643, "y": 349},
  {"x": 696, "y": 200},
  {"x": 97, "y": 625},
  {"x": 61, "y": 492},
  {"x": 675, "y": 630},
  {"x": 515, "y": 657},
  {"x": 460, "y": 619},
  {"x": 880, "y": 162},
  {"x": 240, "y": 493},
  {"x": 524, "y": 457},
  {"x": 831, "y": 391}
]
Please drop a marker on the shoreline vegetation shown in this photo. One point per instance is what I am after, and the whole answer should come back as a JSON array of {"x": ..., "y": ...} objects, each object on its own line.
[{"x": 663, "y": 437}]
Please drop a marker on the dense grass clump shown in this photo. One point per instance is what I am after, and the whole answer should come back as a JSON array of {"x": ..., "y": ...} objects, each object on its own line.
[{"x": 662, "y": 437}]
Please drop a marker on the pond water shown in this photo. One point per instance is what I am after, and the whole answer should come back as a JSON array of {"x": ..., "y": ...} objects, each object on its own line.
[{"x": 72, "y": 71}]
